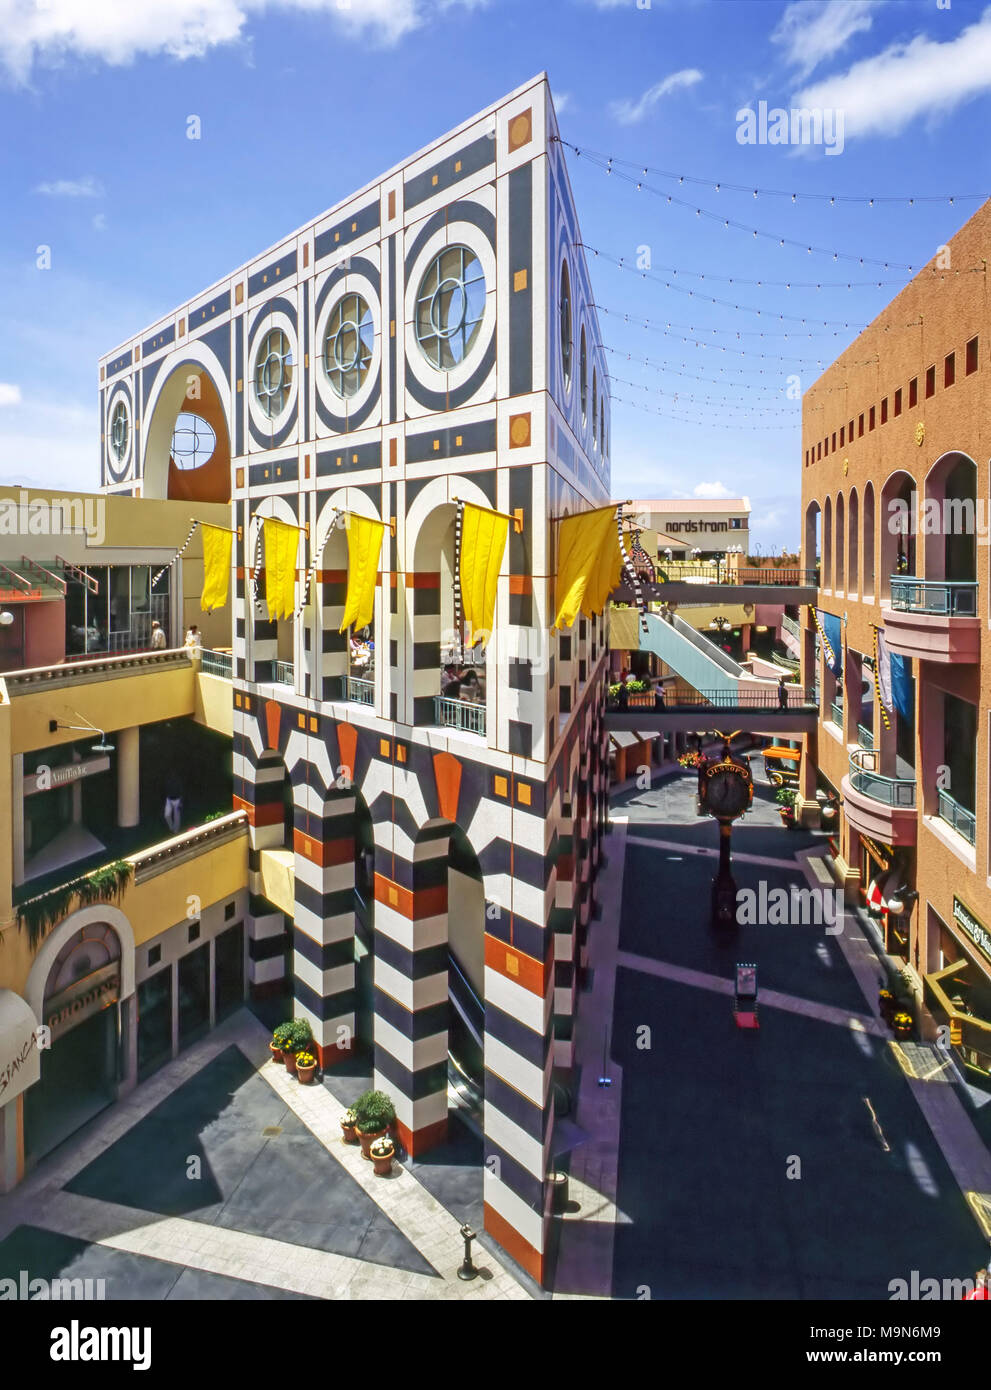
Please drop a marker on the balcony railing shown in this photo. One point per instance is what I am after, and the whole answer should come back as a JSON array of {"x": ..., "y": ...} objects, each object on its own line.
[
  {"x": 889, "y": 791},
  {"x": 282, "y": 673},
  {"x": 216, "y": 663},
  {"x": 964, "y": 822},
  {"x": 460, "y": 714},
  {"x": 865, "y": 737},
  {"x": 836, "y": 713},
  {"x": 718, "y": 699},
  {"x": 950, "y": 598},
  {"x": 358, "y": 690}
]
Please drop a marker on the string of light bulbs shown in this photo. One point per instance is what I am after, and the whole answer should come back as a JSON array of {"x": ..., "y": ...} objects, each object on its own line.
[
  {"x": 721, "y": 185},
  {"x": 721, "y": 405},
  {"x": 757, "y": 333},
  {"x": 707, "y": 423},
  {"x": 648, "y": 274},
  {"x": 653, "y": 327},
  {"x": 660, "y": 366},
  {"x": 756, "y": 232}
]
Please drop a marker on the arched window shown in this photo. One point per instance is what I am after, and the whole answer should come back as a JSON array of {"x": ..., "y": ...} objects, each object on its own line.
[
  {"x": 450, "y": 307},
  {"x": 273, "y": 372},
  {"x": 348, "y": 346},
  {"x": 564, "y": 310}
]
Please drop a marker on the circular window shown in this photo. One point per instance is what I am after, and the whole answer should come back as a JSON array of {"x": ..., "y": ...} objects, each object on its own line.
[
  {"x": 348, "y": 346},
  {"x": 273, "y": 373},
  {"x": 119, "y": 430},
  {"x": 565, "y": 315},
  {"x": 583, "y": 377},
  {"x": 595, "y": 410},
  {"x": 450, "y": 307},
  {"x": 193, "y": 441}
]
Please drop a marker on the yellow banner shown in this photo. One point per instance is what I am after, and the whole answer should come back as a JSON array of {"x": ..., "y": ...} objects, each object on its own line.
[
  {"x": 364, "y": 549},
  {"x": 483, "y": 544},
  {"x": 217, "y": 542},
  {"x": 281, "y": 549},
  {"x": 588, "y": 566}
]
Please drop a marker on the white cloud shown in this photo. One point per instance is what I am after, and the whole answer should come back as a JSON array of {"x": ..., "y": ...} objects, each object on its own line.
[
  {"x": 86, "y": 187},
  {"x": 629, "y": 112},
  {"x": 51, "y": 444},
  {"x": 881, "y": 95},
  {"x": 811, "y": 31},
  {"x": 712, "y": 490},
  {"x": 100, "y": 222},
  {"x": 562, "y": 101},
  {"x": 117, "y": 31},
  {"x": 9, "y": 393}
]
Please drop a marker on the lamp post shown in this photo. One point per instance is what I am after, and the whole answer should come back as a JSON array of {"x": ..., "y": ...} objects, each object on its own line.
[
  {"x": 720, "y": 625},
  {"x": 467, "y": 1270}
]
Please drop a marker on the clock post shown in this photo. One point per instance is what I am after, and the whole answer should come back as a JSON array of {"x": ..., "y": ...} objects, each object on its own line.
[{"x": 726, "y": 791}]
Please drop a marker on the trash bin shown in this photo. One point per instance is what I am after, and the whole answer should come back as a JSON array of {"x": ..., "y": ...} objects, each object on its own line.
[{"x": 559, "y": 1192}]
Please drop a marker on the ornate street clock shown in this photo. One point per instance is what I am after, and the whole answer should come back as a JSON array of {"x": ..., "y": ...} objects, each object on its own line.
[{"x": 726, "y": 791}]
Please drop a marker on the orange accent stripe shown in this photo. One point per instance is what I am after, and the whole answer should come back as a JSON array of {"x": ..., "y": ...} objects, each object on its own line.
[
  {"x": 426, "y": 902},
  {"x": 332, "y": 576},
  {"x": 514, "y": 1244},
  {"x": 515, "y": 965},
  {"x": 426, "y": 579},
  {"x": 520, "y": 584},
  {"x": 418, "y": 1141},
  {"x": 326, "y": 853}
]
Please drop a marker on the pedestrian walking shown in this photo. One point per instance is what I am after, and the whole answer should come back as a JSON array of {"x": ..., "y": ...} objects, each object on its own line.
[
  {"x": 193, "y": 638},
  {"x": 157, "y": 637},
  {"x": 659, "y": 702},
  {"x": 782, "y": 694},
  {"x": 173, "y": 804},
  {"x": 624, "y": 696}
]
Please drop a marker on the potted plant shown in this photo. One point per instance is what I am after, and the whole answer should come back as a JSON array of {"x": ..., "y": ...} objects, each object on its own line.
[
  {"x": 298, "y": 1036},
  {"x": 375, "y": 1113},
  {"x": 348, "y": 1121},
  {"x": 785, "y": 798},
  {"x": 381, "y": 1152},
  {"x": 886, "y": 1005},
  {"x": 279, "y": 1039},
  {"x": 306, "y": 1065},
  {"x": 902, "y": 1024}
]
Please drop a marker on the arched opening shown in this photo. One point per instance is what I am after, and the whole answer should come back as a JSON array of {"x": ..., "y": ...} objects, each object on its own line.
[
  {"x": 452, "y": 694},
  {"x": 188, "y": 450},
  {"x": 898, "y": 530},
  {"x": 853, "y": 544},
  {"x": 811, "y": 550},
  {"x": 80, "y": 1071},
  {"x": 347, "y": 659},
  {"x": 273, "y": 640},
  {"x": 950, "y": 520},
  {"x": 870, "y": 563},
  {"x": 839, "y": 551},
  {"x": 827, "y": 545}
]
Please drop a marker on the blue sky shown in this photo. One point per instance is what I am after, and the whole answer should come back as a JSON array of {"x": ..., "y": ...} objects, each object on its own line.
[{"x": 301, "y": 101}]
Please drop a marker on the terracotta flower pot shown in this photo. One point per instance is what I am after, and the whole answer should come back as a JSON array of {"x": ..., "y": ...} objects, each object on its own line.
[
  {"x": 305, "y": 1074},
  {"x": 383, "y": 1165},
  {"x": 367, "y": 1140},
  {"x": 290, "y": 1060},
  {"x": 350, "y": 1133},
  {"x": 276, "y": 1052}
]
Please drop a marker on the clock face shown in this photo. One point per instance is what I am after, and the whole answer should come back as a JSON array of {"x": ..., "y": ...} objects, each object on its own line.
[{"x": 727, "y": 794}]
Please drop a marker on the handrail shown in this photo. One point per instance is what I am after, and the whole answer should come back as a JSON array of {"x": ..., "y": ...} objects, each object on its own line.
[
  {"x": 148, "y": 862},
  {"x": 964, "y": 822},
  {"x": 33, "y": 676},
  {"x": 889, "y": 791},
  {"x": 952, "y": 597},
  {"x": 718, "y": 699}
]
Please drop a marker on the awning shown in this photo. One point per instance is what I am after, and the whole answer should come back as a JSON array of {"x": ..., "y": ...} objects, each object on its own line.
[
  {"x": 626, "y": 738},
  {"x": 28, "y": 582},
  {"x": 20, "y": 1059}
]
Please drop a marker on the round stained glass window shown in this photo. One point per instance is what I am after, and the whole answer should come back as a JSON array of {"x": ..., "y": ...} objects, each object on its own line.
[
  {"x": 348, "y": 346},
  {"x": 565, "y": 312},
  {"x": 120, "y": 426},
  {"x": 273, "y": 373},
  {"x": 450, "y": 307}
]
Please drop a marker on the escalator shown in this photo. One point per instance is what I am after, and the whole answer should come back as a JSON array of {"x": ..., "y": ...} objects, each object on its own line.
[{"x": 465, "y": 1046}]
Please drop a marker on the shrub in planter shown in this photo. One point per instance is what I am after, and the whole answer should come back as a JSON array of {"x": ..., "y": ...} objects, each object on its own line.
[
  {"x": 299, "y": 1035},
  {"x": 375, "y": 1112},
  {"x": 785, "y": 798},
  {"x": 902, "y": 1023}
]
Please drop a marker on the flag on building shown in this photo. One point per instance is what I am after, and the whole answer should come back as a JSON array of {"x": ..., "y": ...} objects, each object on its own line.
[
  {"x": 364, "y": 549},
  {"x": 483, "y": 544}
]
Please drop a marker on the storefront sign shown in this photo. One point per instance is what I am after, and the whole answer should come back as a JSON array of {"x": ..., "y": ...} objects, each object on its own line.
[
  {"x": 87, "y": 996},
  {"x": 49, "y": 778},
  {"x": 882, "y": 853},
  {"x": 977, "y": 933},
  {"x": 20, "y": 1060}
]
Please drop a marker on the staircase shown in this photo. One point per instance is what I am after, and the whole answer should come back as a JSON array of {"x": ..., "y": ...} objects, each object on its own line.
[{"x": 699, "y": 662}]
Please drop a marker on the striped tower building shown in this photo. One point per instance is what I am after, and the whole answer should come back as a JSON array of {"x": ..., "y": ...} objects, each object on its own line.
[{"x": 423, "y": 864}]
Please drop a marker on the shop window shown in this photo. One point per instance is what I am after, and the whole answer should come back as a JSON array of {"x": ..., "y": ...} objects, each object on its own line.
[{"x": 971, "y": 363}]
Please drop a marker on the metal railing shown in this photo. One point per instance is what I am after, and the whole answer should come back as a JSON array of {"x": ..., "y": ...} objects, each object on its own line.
[
  {"x": 216, "y": 663},
  {"x": 955, "y": 599},
  {"x": 790, "y": 625},
  {"x": 964, "y": 822},
  {"x": 836, "y": 713},
  {"x": 459, "y": 714},
  {"x": 718, "y": 699},
  {"x": 358, "y": 690},
  {"x": 889, "y": 791},
  {"x": 865, "y": 737},
  {"x": 283, "y": 673}
]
